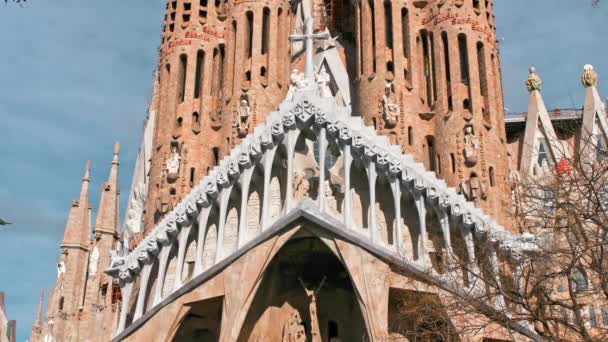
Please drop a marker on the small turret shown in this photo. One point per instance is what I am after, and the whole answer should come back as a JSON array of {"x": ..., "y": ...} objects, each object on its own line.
[{"x": 107, "y": 215}]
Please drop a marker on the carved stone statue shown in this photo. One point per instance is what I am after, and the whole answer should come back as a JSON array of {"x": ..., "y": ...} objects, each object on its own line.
[
  {"x": 243, "y": 114},
  {"x": 534, "y": 82},
  {"x": 471, "y": 146},
  {"x": 296, "y": 83},
  {"x": 60, "y": 270},
  {"x": 93, "y": 261},
  {"x": 135, "y": 210},
  {"x": 301, "y": 185},
  {"x": 473, "y": 189},
  {"x": 173, "y": 164},
  {"x": 390, "y": 107},
  {"x": 322, "y": 78},
  {"x": 315, "y": 331},
  {"x": 293, "y": 330},
  {"x": 589, "y": 77}
]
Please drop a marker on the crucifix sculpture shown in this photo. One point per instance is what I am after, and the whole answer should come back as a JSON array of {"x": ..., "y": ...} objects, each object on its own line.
[
  {"x": 315, "y": 331},
  {"x": 308, "y": 37}
]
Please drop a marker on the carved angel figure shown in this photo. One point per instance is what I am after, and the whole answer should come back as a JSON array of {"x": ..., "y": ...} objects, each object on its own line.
[
  {"x": 322, "y": 78},
  {"x": 135, "y": 210},
  {"x": 173, "y": 164},
  {"x": 296, "y": 83},
  {"x": 471, "y": 146},
  {"x": 390, "y": 107},
  {"x": 243, "y": 113},
  {"x": 93, "y": 261}
]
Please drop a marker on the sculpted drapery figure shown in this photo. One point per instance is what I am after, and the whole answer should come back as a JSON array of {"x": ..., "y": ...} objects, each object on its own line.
[
  {"x": 242, "y": 119},
  {"x": 322, "y": 78},
  {"x": 93, "y": 261},
  {"x": 315, "y": 331},
  {"x": 173, "y": 164},
  {"x": 390, "y": 107},
  {"x": 301, "y": 185},
  {"x": 293, "y": 329},
  {"x": 471, "y": 146}
]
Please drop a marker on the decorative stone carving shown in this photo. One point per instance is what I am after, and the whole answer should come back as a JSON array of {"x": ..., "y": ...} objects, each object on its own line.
[
  {"x": 93, "y": 261},
  {"x": 534, "y": 82},
  {"x": 474, "y": 188},
  {"x": 471, "y": 146},
  {"x": 589, "y": 77},
  {"x": 173, "y": 164},
  {"x": 296, "y": 83},
  {"x": 60, "y": 270},
  {"x": 242, "y": 118},
  {"x": 390, "y": 106},
  {"x": 293, "y": 329},
  {"x": 301, "y": 185},
  {"x": 135, "y": 209},
  {"x": 322, "y": 78}
]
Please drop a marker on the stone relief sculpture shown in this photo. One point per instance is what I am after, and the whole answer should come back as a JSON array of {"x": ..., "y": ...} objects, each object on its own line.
[
  {"x": 93, "y": 262},
  {"x": 315, "y": 331},
  {"x": 390, "y": 107},
  {"x": 293, "y": 330},
  {"x": 589, "y": 77},
  {"x": 473, "y": 189},
  {"x": 301, "y": 185},
  {"x": 322, "y": 79},
  {"x": 135, "y": 209},
  {"x": 242, "y": 118},
  {"x": 471, "y": 146},
  {"x": 173, "y": 164},
  {"x": 296, "y": 83}
]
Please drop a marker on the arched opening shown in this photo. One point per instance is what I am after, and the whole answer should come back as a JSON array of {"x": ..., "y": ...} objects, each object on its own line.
[
  {"x": 183, "y": 63},
  {"x": 200, "y": 73},
  {"x": 437, "y": 246},
  {"x": 210, "y": 239},
  {"x": 411, "y": 226},
  {"x": 278, "y": 184},
  {"x": 231, "y": 223},
  {"x": 483, "y": 82},
  {"x": 385, "y": 210},
  {"x": 446, "y": 68},
  {"x": 359, "y": 189},
  {"x": 304, "y": 266},
  {"x": 202, "y": 323}
]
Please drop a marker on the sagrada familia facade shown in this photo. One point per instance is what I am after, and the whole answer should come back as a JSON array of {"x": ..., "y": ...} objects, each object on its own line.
[{"x": 306, "y": 167}]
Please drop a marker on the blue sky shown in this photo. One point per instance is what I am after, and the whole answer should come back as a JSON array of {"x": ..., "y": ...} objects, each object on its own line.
[{"x": 75, "y": 76}]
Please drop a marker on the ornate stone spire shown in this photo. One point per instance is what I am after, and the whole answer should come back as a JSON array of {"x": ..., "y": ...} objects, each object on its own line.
[
  {"x": 39, "y": 319},
  {"x": 107, "y": 215},
  {"x": 589, "y": 77},
  {"x": 534, "y": 82},
  {"x": 77, "y": 228}
]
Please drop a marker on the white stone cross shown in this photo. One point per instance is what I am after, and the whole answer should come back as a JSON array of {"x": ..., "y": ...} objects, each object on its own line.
[{"x": 309, "y": 37}]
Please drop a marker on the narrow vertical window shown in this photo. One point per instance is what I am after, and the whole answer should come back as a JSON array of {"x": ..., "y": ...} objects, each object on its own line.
[
  {"x": 433, "y": 69},
  {"x": 200, "y": 70},
  {"x": 279, "y": 44},
  {"x": 360, "y": 36},
  {"x": 492, "y": 177},
  {"x": 192, "y": 173},
  {"x": 249, "y": 45},
  {"x": 216, "y": 156},
  {"x": 183, "y": 63},
  {"x": 438, "y": 164},
  {"x": 426, "y": 39},
  {"x": 388, "y": 24},
  {"x": 265, "y": 29},
  {"x": 410, "y": 136},
  {"x": 447, "y": 70},
  {"x": 464, "y": 59},
  {"x": 405, "y": 32},
  {"x": 483, "y": 81},
  {"x": 453, "y": 162},
  {"x": 233, "y": 72},
  {"x": 222, "y": 67},
  {"x": 430, "y": 142},
  {"x": 373, "y": 31},
  {"x": 216, "y": 75}
]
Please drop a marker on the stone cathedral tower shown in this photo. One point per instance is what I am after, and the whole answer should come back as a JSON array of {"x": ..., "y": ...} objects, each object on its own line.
[{"x": 424, "y": 73}]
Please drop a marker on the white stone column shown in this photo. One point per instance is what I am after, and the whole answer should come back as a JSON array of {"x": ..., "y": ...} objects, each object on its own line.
[
  {"x": 423, "y": 254},
  {"x": 268, "y": 159},
  {"x": 143, "y": 288},
  {"x": 224, "y": 199},
  {"x": 162, "y": 270},
  {"x": 371, "y": 178},
  {"x": 495, "y": 272},
  {"x": 322, "y": 151},
  {"x": 245, "y": 182},
  {"x": 396, "y": 189},
  {"x": 202, "y": 219},
  {"x": 181, "y": 253},
  {"x": 292, "y": 135},
  {"x": 444, "y": 220},
  {"x": 348, "y": 202},
  {"x": 125, "y": 290}
]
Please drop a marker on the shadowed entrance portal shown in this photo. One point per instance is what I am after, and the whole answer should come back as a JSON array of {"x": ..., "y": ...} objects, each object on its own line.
[{"x": 306, "y": 295}]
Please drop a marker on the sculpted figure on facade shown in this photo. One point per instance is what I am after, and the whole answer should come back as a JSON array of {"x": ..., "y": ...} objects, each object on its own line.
[
  {"x": 93, "y": 261},
  {"x": 135, "y": 210},
  {"x": 390, "y": 107},
  {"x": 471, "y": 146},
  {"x": 293, "y": 330},
  {"x": 322, "y": 78},
  {"x": 296, "y": 83},
  {"x": 173, "y": 164},
  {"x": 534, "y": 82},
  {"x": 242, "y": 118},
  {"x": 474, "y": 188},
  {"x": 301, "y": 185},
  {"x": 589, "y": 77}
]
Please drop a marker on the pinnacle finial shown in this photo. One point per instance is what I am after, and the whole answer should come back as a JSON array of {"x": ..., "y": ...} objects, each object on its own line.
[
  {"x": 534, "y": 82},
  {"x": 87, "y": 171},
  {"x": 116, "y": 152},
  {"x": 589, "y": 78}
]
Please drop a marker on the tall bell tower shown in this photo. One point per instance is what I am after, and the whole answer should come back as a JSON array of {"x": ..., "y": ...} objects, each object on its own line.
[{"x": 428, "y": 77}]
